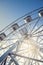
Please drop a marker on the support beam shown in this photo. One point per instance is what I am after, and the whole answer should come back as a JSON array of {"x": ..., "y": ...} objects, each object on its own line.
[
  {"x": 14, "y": 60},
  {"x": 3, "y": 57}
]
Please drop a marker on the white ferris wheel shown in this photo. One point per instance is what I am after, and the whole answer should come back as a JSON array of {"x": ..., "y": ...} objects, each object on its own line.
[{"x": 21, "y": 42}]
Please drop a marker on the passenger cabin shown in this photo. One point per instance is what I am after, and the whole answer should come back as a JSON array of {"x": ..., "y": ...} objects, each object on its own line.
[
  {"x": 2, "y": 36},
  {"x": 15, "y": 26},
  {"x": 41, "y": 13},
  {"x": 27, "y": 19}
]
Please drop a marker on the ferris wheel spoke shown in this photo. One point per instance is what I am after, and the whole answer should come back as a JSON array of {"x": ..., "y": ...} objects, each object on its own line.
[
  {"x": 39, "y": 33},
  {"x": 35, "y": 25},
  {"x": 38, "y": 29},
  {"x": 28, "y": 58}
]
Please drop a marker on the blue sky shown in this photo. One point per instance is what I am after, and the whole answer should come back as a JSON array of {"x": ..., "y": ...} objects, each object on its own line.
[{"x": 13, "y": 9}]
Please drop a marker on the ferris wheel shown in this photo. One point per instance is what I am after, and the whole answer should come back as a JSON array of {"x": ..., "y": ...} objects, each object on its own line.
[{"x": 21, "y": 42}]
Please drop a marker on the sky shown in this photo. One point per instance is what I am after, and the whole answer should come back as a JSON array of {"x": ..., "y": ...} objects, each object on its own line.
[{"x": 10, "y": 10}]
